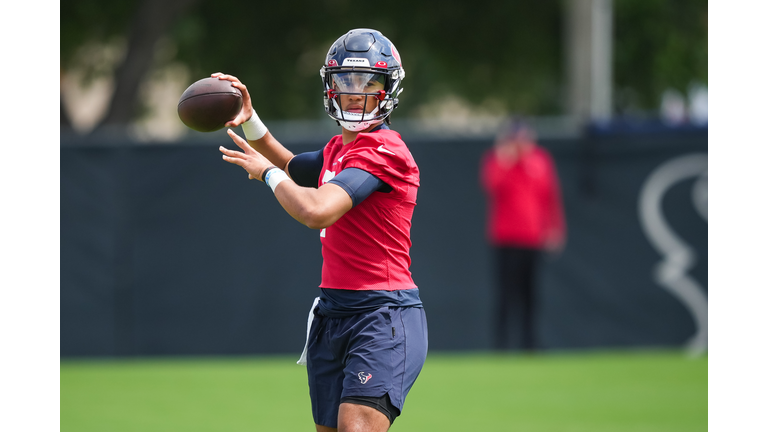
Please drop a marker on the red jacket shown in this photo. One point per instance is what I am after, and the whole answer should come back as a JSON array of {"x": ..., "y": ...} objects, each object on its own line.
[{"x": 524, "y": 203}]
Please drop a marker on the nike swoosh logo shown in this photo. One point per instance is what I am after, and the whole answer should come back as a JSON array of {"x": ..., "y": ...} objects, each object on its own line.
[
  {"x": 383, "y": 150},
  {"x": 328, "y": 176}
]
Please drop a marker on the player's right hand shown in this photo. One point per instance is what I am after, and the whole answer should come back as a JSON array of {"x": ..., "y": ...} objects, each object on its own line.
[
  {"x": 249, "y": 159},
  {"x": 247, "y": 110}
]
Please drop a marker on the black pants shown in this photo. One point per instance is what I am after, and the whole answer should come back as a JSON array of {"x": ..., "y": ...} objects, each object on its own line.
[{"x": 516, "y": 270}]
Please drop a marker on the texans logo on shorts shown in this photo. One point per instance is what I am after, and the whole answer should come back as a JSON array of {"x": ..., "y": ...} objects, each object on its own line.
[{"x": 364, "y": 377}]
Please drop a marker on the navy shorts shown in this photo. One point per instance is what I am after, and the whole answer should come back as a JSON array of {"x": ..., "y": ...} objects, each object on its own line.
[{"x": 370, "y": 354}]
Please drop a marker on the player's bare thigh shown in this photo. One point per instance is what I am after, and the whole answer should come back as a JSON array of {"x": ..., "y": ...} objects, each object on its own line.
[{"x": 358, "y": 418}]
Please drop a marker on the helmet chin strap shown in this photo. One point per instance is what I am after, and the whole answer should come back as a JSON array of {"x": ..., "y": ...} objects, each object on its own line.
[
  {"x": 357, "y": 126},
  {"x": 357, "y": 121}
]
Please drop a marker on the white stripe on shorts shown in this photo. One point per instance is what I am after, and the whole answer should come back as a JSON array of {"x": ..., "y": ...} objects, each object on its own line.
[{"x": 303, "y": 359}]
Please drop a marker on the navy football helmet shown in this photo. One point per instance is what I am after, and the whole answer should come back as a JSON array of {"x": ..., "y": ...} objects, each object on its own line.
[{"x": 362, "y": 62}]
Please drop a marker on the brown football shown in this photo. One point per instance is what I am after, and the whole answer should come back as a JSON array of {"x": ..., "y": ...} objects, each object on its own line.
[{"x": 208, "y": 104}]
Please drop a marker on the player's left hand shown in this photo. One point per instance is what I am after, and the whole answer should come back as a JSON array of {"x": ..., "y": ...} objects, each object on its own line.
[{"x": 249, "y": 159}]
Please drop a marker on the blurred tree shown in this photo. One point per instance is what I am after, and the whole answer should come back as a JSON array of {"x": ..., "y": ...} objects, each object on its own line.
[
  {"x": 504, "y": 56},
  {"x": 151, "y": 21},
  {"x": 505, "y": 52},
  {"x": 658, "y": 44},
  {"x": 141, "y": 24},
  {"x": 84, "y": 22}
]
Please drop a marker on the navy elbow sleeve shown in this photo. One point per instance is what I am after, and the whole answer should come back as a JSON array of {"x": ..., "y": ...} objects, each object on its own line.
[
  {"x": 359, "y": 184},
  {"x": 305, "y": 168}
]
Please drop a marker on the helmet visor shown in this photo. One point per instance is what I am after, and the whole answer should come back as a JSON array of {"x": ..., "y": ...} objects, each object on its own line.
[{"x": 358, "y": 82}]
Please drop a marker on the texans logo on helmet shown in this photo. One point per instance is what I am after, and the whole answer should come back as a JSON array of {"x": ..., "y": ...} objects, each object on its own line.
[{"x": 364, "y": 377}]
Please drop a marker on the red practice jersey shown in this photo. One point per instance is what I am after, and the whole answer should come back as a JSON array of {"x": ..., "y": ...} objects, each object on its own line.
[{"x": 368, "y": 248}]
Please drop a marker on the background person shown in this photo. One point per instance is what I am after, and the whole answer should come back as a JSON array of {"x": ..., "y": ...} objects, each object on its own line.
[{"x": 525, "y": 217}]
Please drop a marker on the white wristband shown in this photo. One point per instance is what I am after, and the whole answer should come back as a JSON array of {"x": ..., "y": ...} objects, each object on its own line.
[
  {"x": 254, "y": 129},
  {"x": 274, "y": 177}
]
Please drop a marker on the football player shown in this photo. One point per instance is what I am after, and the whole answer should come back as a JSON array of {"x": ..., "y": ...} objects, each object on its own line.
[{"x": 367, "y": 335}]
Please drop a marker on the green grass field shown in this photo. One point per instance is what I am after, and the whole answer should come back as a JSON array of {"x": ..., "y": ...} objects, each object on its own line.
[{"x": 655, "y": 391}]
